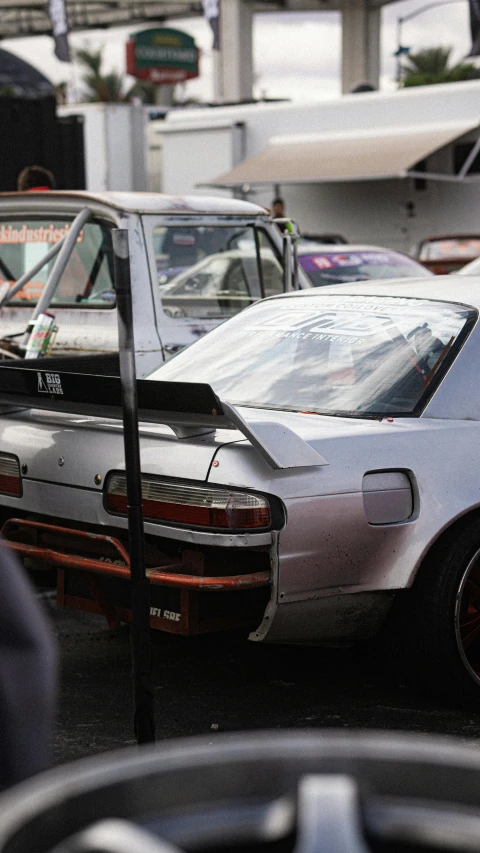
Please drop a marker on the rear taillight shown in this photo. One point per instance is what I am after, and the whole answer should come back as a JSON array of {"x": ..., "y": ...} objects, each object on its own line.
[
  {"x": 10, "y": 481},
  {"x": 195, "y": 506}
]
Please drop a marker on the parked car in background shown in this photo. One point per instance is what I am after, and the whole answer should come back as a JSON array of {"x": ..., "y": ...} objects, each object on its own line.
[
  {"x": 223, "y": 284},
  {"x": 448, "y": 253},
  {"x": 472, "y": 268},
  {"x": 308, "y": 473},
  {"x": 324, "y": 265},
  {"x": 43, "y": 232}
]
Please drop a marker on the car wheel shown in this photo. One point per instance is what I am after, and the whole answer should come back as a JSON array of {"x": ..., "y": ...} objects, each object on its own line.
[
  {"x": 296, "y": 792},
  {"x": 442, "y": 621}
]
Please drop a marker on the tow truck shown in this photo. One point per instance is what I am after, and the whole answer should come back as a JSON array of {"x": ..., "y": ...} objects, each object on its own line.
[{"x": 195, "y": 261}]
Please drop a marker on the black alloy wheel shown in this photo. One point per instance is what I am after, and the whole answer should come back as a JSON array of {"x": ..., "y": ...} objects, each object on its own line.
[{"x": 295, "y": 792}]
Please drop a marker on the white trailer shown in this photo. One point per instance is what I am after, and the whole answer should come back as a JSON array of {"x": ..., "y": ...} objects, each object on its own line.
[
  {"x": 115, "y": 143},
  {"x": 387, "y": 168}
]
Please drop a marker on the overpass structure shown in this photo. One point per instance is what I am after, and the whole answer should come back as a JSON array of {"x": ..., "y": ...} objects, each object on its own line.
[{"x": 234, "y": 60}]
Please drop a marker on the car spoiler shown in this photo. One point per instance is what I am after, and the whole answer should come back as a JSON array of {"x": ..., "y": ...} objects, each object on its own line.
[{"x": 189, "y": 408}]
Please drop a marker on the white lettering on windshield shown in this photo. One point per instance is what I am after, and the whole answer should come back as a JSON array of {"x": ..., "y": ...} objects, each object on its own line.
[{"x": 344, "y": 323}]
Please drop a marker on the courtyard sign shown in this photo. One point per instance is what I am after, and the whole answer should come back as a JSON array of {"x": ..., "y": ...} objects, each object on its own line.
[{"x": 163, "y": 56}]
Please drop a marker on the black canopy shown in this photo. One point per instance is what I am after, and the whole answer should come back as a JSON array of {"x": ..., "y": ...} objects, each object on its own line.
[{"x": 20, "y": 79}]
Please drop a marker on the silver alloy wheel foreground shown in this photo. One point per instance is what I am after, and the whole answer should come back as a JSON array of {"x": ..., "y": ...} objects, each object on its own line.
[
  {"x": 302, "y": 792},
  {"x": 467, "y": 618}
]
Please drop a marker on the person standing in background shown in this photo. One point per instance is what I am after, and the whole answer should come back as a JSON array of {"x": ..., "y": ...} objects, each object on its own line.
[
  {"x": 277, "y": 209},
  {"x": 35, "y": 179}
]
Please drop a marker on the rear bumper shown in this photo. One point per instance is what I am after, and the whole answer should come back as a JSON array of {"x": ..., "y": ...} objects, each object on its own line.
[
  {"x": 94, "y": 574},
  {"x": 331, "y": 620}
]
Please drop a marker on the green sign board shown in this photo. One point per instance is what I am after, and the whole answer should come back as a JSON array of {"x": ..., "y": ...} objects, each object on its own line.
[{"x": 162, "y": 55}]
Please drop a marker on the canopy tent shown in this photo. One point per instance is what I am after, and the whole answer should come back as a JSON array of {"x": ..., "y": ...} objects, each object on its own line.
[
  {"x": 21, "y": 79},
  {"x": 352, "y": 155}
]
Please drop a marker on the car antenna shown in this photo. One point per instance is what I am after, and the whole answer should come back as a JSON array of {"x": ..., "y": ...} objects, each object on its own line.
[{"x": 141, "y": 641}]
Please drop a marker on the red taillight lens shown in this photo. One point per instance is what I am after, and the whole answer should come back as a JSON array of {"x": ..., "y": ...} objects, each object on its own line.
[
  {"x": 196, "y": 506},
  {"x": 10, "y": 481}
]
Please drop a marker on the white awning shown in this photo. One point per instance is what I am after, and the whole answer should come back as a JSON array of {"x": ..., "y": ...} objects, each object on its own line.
[{"x": 353, "y": 155}]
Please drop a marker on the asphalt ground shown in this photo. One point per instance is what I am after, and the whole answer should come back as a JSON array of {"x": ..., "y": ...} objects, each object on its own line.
[{"x": 222, "y": 683}]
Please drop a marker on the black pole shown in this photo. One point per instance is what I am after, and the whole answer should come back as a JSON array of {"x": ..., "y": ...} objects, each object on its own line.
[{"x": 141, "y": 645}]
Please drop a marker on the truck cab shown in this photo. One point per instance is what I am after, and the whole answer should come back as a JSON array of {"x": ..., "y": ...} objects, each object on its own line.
[{"x": 195, "y": 261}]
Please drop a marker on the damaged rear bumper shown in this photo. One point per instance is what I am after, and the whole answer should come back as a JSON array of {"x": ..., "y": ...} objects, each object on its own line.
[{"x": 93, "y": 573}]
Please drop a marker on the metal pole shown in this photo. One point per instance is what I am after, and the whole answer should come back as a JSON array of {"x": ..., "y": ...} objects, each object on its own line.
[
  {"x": 141, "y": 644},
  {"x": 288, "y": 283},
  {"x": 399, "y": 45}
]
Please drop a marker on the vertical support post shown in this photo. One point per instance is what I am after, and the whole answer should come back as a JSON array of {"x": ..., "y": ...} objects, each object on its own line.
[
  {"x": 141, "y": 644},
  {"x": 360, "y": 44},
  {"x": 398, "y": 52},
  {"x": 233, "y": 63},
  {"x": 288, "y": 283}
]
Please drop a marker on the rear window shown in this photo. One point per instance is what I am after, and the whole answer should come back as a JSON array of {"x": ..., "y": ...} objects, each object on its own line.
[
  {"x": 87, "y": 280},
  {"x": 348, "y": 355},
  {"x": 433, "y": 250},
  {"x": 338, "y": 267}
]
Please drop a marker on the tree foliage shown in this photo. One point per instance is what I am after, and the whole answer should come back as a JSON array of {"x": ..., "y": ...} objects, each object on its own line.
[
  {"x": 99, "y": 87},
  {"x": 432, "y": 65}
]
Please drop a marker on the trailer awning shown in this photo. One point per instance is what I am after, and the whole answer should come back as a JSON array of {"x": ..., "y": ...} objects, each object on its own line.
[{"x": 354, "y": 155}]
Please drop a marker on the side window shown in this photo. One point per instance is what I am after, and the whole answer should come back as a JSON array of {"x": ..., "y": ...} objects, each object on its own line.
[
  {"x": 272, "y": 272},
  {"x": 235, "y": 281},
  {"x": 272, "y": 276},
  {"x": 208, "y": 272},
  {"x": 87, "y": 280}
]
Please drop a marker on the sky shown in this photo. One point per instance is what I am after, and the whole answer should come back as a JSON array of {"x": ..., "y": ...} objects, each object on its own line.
[{"x": 296, "y": 54}]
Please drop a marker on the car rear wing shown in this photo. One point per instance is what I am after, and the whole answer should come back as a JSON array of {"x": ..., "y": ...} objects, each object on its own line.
[{"x": 189, "y": 408}]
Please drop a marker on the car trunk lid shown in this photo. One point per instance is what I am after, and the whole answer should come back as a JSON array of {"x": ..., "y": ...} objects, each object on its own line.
[{"x": 79, "y": 451}]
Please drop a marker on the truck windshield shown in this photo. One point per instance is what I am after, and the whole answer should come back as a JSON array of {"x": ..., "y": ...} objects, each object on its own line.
[
  {"x": 213, "y": 271},
  {"x": 87, "y": 280},
  {"x": 358, "y": 356}
]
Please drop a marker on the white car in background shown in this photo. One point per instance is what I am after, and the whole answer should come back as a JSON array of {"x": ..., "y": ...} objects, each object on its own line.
[{"x": 221, "y": 285}]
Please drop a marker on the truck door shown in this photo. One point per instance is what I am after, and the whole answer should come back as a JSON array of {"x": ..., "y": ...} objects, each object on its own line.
[{"x": 207, "y": 270}]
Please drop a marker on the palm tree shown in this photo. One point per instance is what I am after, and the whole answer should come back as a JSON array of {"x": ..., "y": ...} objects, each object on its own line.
[
  {"x": 432, "y": 65},
  {"x": 144, "y": 90},
  {"x": 61, "y": 90},
  {"x": 100, "y": 87}
]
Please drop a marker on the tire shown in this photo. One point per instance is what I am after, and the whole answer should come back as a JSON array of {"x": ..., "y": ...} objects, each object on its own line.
[{"x": 441, "y": 623}]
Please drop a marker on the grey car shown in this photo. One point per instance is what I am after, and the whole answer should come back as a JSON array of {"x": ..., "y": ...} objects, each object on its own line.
[{"x": 310, "y": 473}]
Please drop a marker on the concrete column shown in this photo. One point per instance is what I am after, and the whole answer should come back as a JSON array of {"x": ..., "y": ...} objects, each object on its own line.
[
  {"x": 164, "y": 95},
  {"x": 233, "y": 63},
  {"x": 360, "y": 44}
]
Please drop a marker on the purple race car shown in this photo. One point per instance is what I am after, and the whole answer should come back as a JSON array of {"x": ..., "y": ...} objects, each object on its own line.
[{"x": 327, "y": 264}]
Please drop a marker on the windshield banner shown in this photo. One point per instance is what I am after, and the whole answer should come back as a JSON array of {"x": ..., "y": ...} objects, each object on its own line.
[{"x": 350, "y": 259}]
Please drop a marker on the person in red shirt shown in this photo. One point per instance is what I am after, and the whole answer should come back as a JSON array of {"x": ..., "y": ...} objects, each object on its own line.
[{"x": 35, "y": 179}]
